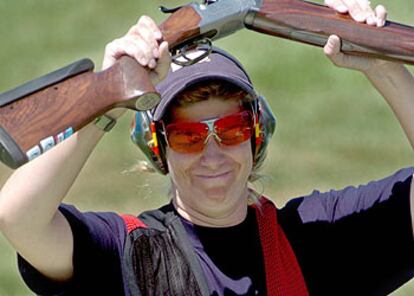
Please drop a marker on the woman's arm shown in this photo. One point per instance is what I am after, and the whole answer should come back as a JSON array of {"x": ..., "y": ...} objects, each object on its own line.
[
  {"x": 29, "y": 218},
  {"x": 392, "y": 80},
  {"x": 396, "y": 84},
  {"x": 29, "y": 201}
]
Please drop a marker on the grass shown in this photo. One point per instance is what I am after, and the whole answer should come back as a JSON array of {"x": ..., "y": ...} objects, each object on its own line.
[{"x": 333, "y": 129}]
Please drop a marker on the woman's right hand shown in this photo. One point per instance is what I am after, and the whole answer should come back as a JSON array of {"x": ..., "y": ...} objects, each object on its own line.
[
  {"x": 29, "y": 215},
  {"x": 143, "y": 42}
]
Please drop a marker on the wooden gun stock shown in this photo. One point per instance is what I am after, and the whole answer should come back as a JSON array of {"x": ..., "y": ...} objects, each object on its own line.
[
  {"x": 313, "y": 23},
  {"x": 39, "y": 114}
]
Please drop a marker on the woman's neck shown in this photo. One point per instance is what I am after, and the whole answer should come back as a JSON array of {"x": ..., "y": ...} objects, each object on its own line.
[{"x": 212, "y": 218}]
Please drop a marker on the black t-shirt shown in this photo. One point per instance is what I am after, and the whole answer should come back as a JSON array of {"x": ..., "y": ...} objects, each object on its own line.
[
  {"x": 231, "y": 257},
  {"x": 355, "y": 241}
]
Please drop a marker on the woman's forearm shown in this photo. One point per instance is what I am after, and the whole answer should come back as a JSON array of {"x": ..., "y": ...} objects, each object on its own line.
[
  {"x": 42, "y": 184},
  {"x": 29, "y": 200},
  {"x": 396, "y": 84}
]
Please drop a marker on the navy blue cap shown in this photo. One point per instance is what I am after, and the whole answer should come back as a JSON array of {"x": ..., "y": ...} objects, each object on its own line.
[{"x": 218, "y": 65}]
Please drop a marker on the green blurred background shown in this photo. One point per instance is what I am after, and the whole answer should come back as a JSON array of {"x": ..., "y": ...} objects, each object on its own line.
[{"x": 333, "y": 128}]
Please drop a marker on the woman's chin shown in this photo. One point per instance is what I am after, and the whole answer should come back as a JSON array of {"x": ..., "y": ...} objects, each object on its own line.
[{"x": 217, "y": 195}]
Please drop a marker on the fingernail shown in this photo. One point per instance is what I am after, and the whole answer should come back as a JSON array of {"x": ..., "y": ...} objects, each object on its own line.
[
  {"x": 165, "y": 44},
  {"x": 380, "y": 23},
  {"x": 158, "y": 35},
  {"x": 143, "y": 61},
  {"x": 371, "y": 21},
  {"x": 152, "y": 64},
  {"x": 156, "y": 53},
  {"x": 360, "y": 18},
  {"x": 342, "y": 8}
]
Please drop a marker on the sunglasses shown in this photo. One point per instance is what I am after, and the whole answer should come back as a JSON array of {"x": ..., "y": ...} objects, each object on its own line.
[{"x": 191, "y": 137}]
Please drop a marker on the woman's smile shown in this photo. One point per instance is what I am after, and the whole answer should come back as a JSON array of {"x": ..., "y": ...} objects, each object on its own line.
[{"x": 213, "y": 176}]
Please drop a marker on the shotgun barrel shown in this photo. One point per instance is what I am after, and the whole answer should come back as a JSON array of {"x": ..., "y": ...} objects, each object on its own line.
[{"x": 313, "y": 23}]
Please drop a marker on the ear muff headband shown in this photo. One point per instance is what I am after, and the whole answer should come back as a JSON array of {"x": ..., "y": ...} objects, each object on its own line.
[{"x": 265, "y": 129}]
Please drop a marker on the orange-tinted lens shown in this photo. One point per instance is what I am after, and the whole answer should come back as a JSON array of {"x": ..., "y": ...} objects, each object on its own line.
[
  {"x": 234, "y": 129},
  {"x": 190, "y": 137},
  {"x": 187, "y": 137}
]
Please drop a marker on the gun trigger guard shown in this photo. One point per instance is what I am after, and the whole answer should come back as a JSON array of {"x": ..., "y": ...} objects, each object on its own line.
[
  {"x": 208, "y": 2},
  {"x": 204, "y": 44},
  {"x": 169, "y": 10}
]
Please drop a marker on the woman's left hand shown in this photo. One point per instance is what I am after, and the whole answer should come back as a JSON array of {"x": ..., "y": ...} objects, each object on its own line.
[
  {"x": 393, "y": 80},
  {"x": 362, "y": 12}
]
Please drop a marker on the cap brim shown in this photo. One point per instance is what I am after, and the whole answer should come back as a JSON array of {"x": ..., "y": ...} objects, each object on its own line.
[
  {"x": 187, "y": 82},
  {"x": 219, "y": 65}
]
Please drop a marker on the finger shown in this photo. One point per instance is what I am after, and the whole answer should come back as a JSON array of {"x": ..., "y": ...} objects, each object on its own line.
[
  {"x": 369, "y": 13},
  {"x": 332, "y": 51},
  {"x": 163, "y": 65},
  {"x": 164, "y": 61},
  {"x": 365, "y": 6},
  {"x": 149, "y": 23},
  {"x": 120, "y": 47},
  {"x": 148, "y": 46},
  {"x": 133, "y": 30},
  {"x": 338, "y": 5},
  {"x": 144, "y": 52},
  {"x": 147, "y": 35},
  {"x": 108, "y": 61},
  {"x": 381, "y": 14},
  {"x": 111, "y": 54},
  {"x": 332, "y": 46},
  {"x": 138, "y": 47},
  {"x": 358, "y": 9}
]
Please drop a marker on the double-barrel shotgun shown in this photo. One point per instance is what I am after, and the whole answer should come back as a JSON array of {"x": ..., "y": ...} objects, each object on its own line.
[{"x": 40, "y": 114}]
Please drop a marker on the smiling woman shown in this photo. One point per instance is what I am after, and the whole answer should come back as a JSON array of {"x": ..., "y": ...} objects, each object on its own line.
[{"x": 211, "y": 183}]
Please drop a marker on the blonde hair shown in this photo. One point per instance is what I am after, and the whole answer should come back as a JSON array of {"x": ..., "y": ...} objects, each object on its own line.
[{"x": 202, "y": 91}]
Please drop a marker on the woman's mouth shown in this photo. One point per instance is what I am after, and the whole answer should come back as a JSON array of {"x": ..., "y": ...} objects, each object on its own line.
[{"x": 213, "y": 176}]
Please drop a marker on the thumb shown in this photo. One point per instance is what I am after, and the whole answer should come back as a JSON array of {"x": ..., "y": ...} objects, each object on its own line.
[
  {"x": 332, "y": 50},
  {"x": 163, "y": 64}
]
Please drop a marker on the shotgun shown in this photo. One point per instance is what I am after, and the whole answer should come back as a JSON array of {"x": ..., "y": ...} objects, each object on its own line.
[{"x": 40, "y": 114}]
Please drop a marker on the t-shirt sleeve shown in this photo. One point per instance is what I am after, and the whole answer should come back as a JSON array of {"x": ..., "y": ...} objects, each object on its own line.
[
  {"x": 98, "y": 247},
  {"x": 355, "y": 241}
]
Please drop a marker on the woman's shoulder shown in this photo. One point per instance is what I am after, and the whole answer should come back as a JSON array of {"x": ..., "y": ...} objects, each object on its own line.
[{"x": 332, "y": 205}]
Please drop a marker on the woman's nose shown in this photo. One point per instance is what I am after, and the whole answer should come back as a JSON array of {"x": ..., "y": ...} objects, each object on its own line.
[{"x": 212, "y": 154}]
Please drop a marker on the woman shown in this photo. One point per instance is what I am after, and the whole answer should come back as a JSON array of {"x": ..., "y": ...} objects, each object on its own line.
[{"x": 209, "y": 241}]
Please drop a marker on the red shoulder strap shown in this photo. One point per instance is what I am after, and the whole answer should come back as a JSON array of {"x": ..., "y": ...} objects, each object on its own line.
[
  {"x": 283, "y": 274},
  {"x": 132, "y": 222}
]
